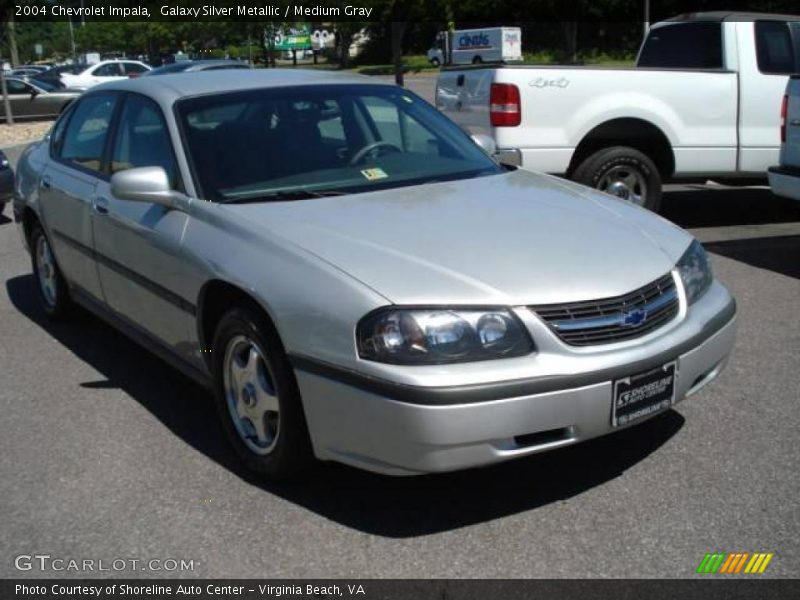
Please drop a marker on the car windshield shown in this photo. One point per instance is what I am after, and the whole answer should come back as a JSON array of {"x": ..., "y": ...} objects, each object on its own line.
[{"x": 313, "y": 141}]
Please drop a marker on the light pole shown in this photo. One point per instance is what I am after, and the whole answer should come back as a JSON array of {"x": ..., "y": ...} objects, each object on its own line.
[{"x": 646, "y": 17}]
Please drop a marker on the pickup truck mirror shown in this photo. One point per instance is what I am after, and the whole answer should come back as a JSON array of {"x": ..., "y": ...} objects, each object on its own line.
[
  {"x": 486, "y": 143},
  {"x": 146, "y": 184}
]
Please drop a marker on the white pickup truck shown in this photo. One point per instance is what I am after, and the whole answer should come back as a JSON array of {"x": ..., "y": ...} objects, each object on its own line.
[
  {"x": 784, "y": 179},
  {"x": 703, "y": 101}
]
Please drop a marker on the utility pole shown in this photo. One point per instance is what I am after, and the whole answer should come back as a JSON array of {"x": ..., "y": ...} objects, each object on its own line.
[
  {"x": 646, "y": 17},
  {"x": 12, "y": 41},
  {"x": 6, "y": 103}
]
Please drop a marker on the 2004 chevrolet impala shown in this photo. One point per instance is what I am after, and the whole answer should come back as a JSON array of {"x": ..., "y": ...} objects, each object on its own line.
[{"x": 356, "y": 278}]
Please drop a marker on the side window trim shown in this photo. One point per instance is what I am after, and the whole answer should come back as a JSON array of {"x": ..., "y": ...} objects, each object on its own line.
[
  {"x": 101, "y": 174},
  {"x": 114, "y": 130}
]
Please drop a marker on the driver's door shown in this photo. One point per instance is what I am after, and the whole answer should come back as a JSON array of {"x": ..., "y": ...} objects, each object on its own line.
[{"x": 138, "y": 244}]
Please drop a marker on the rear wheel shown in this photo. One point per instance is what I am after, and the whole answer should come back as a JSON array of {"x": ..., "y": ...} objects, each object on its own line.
[
  {"x": 50, "y": 285},
  {"x": 257, "y": 396},
  {"x": 623, "y": 172},
  {"x": 477, "y": 60}
]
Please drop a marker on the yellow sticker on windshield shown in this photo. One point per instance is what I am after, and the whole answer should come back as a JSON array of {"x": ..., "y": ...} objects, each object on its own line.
[{"x": 373, "y": 174}]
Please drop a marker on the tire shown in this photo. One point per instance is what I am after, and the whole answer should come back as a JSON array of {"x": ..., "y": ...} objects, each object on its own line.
[
  {"x": 435, "y": 62},
  {"x": 623, "y": 172},
  {"x": 51, "y": 287},
  {"x": 477, "y": 60},
  {"x": 257, "y": 396}
]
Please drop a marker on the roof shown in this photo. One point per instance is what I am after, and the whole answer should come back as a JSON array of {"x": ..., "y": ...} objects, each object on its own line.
[
  {"x": 723, "y": 15},
  {"x": 171, "y": 87}
]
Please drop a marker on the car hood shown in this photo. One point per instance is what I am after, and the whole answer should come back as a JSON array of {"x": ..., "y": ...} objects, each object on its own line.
[{"x": 514, "y": 238}]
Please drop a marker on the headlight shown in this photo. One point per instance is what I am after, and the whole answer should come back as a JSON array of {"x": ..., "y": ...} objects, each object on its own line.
[
  {"x": 695, "y": 271},
  {"x": 434, "y": 336}
]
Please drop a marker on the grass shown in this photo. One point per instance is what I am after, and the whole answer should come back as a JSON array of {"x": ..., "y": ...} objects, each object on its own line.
[{"x": 418, "y": 63}]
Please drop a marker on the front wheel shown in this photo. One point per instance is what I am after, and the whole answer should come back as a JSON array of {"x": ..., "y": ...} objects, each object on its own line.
[
  {"x": 623, "y": 172},
  {"x": 435, "y": 62},
  {"x": 257, "y": 396},
  {"x": 50, "y": 285}
]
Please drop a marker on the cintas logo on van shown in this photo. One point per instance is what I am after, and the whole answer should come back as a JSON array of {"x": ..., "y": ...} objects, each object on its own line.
[{"x": 473, "y": 41}]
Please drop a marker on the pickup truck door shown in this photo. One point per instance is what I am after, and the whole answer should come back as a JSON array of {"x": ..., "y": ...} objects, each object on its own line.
[
  {"x": 768, "y": 52},
  {"x": 138, "y": 244},
  {"x": 68, "y": 186}
]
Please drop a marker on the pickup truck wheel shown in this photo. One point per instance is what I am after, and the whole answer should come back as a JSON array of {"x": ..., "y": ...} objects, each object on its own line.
[
  {"x": 623, "y": 172},
  {"x": 257, "y": 396},
  {"x": 50, "y": 285}
]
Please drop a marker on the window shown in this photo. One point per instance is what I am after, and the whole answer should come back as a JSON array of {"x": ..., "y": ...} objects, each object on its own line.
[
  {"x": 87, "y": 130},
  {"x": 134, "y": 68},
  {"x": 142, "y": 139},
  {"x": 774, "y": 50},
  {"x": 695, "y": 45},
  {"x": 108, "y": 70},
  {"x": 15, "y": 86},
  {"x": 260, "y": 145}
]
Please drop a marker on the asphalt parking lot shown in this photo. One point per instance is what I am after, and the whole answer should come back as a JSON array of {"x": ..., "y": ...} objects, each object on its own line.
[{"x": 107, "y": 453}]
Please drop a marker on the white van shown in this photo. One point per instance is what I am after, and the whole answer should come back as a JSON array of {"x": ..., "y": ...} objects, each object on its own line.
[{"x": 476, "y": 46}]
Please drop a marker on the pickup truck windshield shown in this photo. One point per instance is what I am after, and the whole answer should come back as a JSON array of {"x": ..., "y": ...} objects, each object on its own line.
[{"x": 316, "y": 141}]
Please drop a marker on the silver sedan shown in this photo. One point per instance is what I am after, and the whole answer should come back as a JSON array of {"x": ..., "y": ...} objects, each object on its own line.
[
  {"x": 36, "y": 99},
  {"x": 359, "y": 281}
]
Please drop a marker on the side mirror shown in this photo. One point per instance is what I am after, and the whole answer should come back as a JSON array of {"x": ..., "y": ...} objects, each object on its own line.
[
  {"x": 146, "y": 184},
  {"x": 486, "y": 143},
  {"x": 34, "y": 92}
]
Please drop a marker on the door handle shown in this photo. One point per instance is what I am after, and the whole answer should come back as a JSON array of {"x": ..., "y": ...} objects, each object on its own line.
[
  {"x": 46, "y": 182},
  {"x": 100, "y": 205}
]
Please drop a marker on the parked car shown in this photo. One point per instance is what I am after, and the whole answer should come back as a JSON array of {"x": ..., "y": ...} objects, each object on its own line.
[
  {"x": 53, "y": 75},
  {"x": 701, "y": 102},
  {"x": 25, "y": 72},
  {"x": 197, "y": 65},
  {"x": 36, "y": 99},
  {"x": 396, "y": 300},
  {"x": 6, "y": 181},
  {"x": 784, "y": 179},
  {"x": 104, "y": 71}
]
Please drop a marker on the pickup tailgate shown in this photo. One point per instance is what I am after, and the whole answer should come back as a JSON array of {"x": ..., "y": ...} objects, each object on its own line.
[{"x": 463, "y": 94}]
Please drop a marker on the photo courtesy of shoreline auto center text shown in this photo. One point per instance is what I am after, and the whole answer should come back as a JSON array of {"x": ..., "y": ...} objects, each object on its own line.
[{"x": 399, "y": 299}]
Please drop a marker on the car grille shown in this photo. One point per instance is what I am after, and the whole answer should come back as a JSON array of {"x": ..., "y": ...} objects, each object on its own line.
[{"x": 616, "y": 319}]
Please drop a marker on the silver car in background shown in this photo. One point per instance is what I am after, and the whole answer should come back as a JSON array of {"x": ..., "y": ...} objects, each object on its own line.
[{"x": 356, "y": 279}]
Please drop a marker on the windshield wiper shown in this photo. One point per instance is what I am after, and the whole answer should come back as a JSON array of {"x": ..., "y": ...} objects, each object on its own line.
[{"x": 283, "y": 195}]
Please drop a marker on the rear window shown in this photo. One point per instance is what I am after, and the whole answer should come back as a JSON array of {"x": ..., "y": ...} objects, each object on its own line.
[
  {"x": 775, "y": 51},
  {"x": 683, "y": 46}
]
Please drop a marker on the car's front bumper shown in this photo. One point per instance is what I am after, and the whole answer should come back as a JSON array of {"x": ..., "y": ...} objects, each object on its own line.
[
  {"x": 403, "y": 430},
  {"x": 785, "y": 181}
]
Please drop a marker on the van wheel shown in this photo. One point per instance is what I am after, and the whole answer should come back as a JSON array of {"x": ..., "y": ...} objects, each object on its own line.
[
  {"x": 477, "y": 60},
  {"x": 50, "y": 285},
  {"x": 623, "y": 172},
  {"x": 257, "y": 396},
  {"x": 435, "y": 62}
]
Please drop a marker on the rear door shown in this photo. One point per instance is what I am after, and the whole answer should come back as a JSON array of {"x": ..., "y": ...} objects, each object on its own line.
[
  {"x": 107, "y": 72},
  {"x": 69, "y": 184},
  {"x": 769, "y": 51},
  {"x": 138, "y": 243}
]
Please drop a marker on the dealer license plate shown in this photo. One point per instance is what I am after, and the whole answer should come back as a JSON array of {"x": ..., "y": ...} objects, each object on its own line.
[{"x": 642, "y": 395}]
